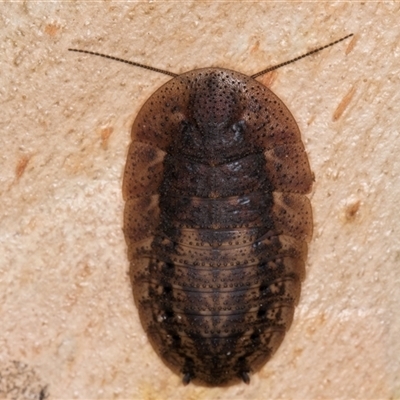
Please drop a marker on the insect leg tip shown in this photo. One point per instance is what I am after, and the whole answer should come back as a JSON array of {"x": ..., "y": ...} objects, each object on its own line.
[
  {"x": 245, "y": 377},
  {"x": 186, "y": 378}
]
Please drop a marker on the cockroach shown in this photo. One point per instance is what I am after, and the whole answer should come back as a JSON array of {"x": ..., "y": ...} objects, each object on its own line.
[{"x": 216, "y": 221}]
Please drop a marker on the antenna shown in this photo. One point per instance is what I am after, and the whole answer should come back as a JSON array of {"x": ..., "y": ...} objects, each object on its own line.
[
  {"x": 264, "y": 71},
  {"x": 161, "y": 71}
]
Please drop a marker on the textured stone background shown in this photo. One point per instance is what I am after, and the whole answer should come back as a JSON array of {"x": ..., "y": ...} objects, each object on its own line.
[{"x": 69, "y": 328}]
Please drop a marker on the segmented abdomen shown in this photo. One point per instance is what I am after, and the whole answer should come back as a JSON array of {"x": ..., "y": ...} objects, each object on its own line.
[{"x": 217, "y": 245}]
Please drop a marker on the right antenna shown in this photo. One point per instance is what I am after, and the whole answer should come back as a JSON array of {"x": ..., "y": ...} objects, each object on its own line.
[{"x": 264, "y": 71}]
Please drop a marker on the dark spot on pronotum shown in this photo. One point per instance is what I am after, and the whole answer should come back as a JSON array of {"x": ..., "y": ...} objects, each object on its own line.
[
  {"x": 176, "y": 339},
  {"x": 261, "y": 313},
  {"x": 167, "y": 290}
]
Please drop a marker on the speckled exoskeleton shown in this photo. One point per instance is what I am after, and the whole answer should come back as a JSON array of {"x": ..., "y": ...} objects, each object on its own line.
[{"x": 216, "y": 221}]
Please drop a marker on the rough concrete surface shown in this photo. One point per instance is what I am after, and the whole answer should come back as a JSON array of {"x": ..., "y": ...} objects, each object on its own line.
[{"x": 68, "y": 322}]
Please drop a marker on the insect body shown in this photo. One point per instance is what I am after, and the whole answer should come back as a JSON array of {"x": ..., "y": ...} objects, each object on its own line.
[{"x": 216, "y": 222}]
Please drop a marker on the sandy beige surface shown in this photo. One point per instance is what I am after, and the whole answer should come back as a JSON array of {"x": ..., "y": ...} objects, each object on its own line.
[{"x": 69, "y": 328}]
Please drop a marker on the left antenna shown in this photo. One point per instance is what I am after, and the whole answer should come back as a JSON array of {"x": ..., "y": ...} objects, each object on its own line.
[{"x": 161, "y": 71}]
